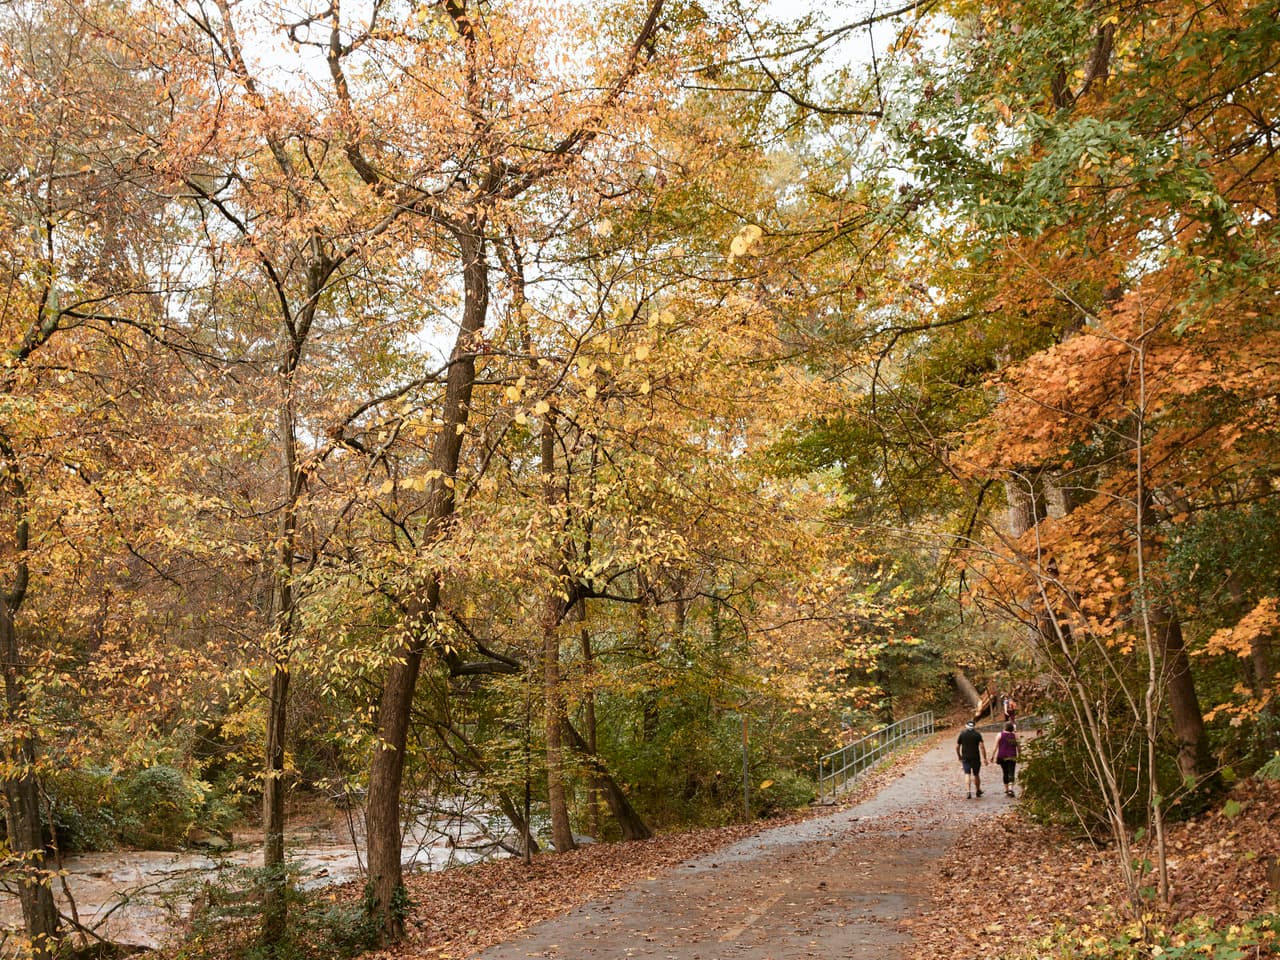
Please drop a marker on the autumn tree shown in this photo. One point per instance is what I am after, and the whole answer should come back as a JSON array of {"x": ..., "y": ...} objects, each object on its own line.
[
  {"x": 446, "y": 134},
  {"x": 656, "y": 386},
  {"x": 1109, "y": 179},
  {"x": 83, "y": 373}
]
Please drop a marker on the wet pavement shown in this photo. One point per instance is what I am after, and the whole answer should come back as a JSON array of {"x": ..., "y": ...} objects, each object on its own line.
[{"x": 835, "y": 886}]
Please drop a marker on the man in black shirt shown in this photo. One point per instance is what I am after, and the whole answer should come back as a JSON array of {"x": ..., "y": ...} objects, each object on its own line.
[{"x": 972, "y": 754}]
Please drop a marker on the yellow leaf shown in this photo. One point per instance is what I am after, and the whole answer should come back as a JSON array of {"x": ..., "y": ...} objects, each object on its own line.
[
  {"x": 642, "y": 352},
  {"x": 745, "y": 239},
  {"x": 541, "y": 407}
]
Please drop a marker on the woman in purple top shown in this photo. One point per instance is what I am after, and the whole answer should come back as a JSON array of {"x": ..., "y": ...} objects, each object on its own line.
[{"x": 1007, "y": 756}]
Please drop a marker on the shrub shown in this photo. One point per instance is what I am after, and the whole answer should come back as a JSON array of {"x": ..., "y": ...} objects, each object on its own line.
[
  {"x": 226, "y": 923},
  {"x": 1197, "y": 938},
  {"x": 93, "y": 808},
  {"x": 783, "y": 792},
  {"x": 160, "y": 805},
  {"x": 84, "y": 809},
  {"x": 1060, "y": 789}
]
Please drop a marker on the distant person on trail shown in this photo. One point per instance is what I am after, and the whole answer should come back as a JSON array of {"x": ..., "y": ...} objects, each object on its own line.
[
  {"x": 1010, "y": 710},
  {"x": 1007, "y": 756},
  {"x": 972, "y": 754}
]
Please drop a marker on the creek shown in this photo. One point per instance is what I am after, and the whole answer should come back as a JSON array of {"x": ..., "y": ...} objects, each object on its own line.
[{"x": 142, "y": 897}]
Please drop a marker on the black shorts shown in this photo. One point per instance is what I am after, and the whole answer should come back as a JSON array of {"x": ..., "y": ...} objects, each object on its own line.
[{"x": 971, "y": 765}]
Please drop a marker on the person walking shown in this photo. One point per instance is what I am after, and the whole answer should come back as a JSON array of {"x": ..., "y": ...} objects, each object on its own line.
[
  {"x": 1010, "y": 710},
  {"x": 1007, "y": 755},
  {"x": 972, "y": 754}
]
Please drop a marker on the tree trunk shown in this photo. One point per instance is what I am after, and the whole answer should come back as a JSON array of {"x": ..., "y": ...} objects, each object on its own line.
[
  {"x": 1022, "y": 505},
  {"x": 1019, "y": 493},
  {"x": 386, "y": 770},
  {"x": 21, "y": 788},
  {"x": 1194, "y": 762},
  {"x": 1059, "y": 499},
  {"x": 386, "y": 774},
  {"x": 31, "y": 874},
  {"x": 968, "y": 691},
  {"x": 275, "y": 902},
  {"x": 589, "y": 716},
  {"x": 553, "y": 614},
  {"x": 557, "y": 800},
  {"x": 629, "y": 822},
  {"x": 1260, "y": 660},
  {"x": 644, "y": 643}
]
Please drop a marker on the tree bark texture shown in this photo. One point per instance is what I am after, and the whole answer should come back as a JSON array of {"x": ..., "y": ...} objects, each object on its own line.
[
  {"x": 1194, "y": 762},
  {"x": 1022, "y": 506}
]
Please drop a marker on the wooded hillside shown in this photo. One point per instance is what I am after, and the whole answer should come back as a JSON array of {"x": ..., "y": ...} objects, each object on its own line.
[{"x": 602, "y": 411}]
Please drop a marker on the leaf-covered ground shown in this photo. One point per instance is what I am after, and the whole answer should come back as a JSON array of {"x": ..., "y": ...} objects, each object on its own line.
[
  {"x": 1004, "y": 885},
  {"x": 1008, "y": 882}
]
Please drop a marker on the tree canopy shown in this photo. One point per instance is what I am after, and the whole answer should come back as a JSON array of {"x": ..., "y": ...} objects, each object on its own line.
[{"x": 527, "y": 399}]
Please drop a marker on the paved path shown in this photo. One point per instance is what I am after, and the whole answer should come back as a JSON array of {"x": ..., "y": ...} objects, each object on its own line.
[{"x": 832, "y": 887}]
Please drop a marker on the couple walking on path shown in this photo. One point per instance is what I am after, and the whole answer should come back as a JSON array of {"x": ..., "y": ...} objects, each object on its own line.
[{"x": 971, "y": 751}]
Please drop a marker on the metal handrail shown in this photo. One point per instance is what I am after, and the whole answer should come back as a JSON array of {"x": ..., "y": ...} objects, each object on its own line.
[{"x": 836, "y": 770}]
